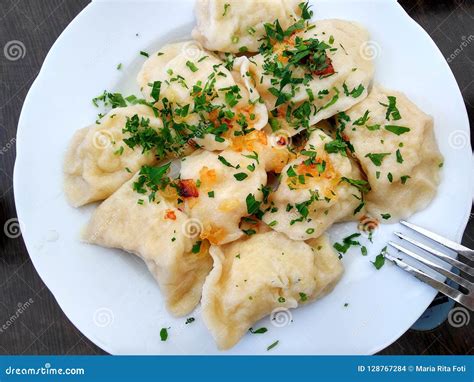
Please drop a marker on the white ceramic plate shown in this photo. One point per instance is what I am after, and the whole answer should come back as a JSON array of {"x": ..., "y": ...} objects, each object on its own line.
[{"x": 110, "y": 296}]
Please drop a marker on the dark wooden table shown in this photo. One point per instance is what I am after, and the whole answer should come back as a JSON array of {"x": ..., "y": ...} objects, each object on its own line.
[{"x": 43, "y": 328}]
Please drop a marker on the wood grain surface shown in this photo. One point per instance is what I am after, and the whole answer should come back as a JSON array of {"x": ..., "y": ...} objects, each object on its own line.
[{"x": 42, "y": 328}]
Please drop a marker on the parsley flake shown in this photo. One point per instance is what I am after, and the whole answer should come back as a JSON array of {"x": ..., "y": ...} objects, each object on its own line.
[
  {"x": 258, "y": 331},
  {"x": 164, "y": 334},
  {"x": 377, "y": 158}
]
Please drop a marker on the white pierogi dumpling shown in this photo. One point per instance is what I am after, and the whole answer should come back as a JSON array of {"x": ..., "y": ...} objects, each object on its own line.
[
  {"x": 228, "y": 186},
  {"x": 255, "y": 276},
  {"x": 316, "y": 190},
  {"x": 156, "y": 232},
  {"x": 332, "y": 74},
  {"x": 206, "y": 98},
  {"x": 238, "y": 25},
  {"x": 98, "y": 161},
  {"x": 395, "y": 144}
]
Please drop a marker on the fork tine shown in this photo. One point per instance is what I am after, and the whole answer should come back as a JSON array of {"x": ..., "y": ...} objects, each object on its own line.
[
  {"x": 441, "y": 287},
  {"x": 455, "y": 263},
  {"x": 456, "y": 278},
  {"x": 461, "y": 249}
]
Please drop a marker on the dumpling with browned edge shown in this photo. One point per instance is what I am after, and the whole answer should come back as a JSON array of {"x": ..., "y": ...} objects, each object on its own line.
[
  {"x": 98, "y": 160},
  {"x": 218, "y": 189},
  {"x": 254, "y": 276},
  {"x": 318, "y": 188},
  {"x": 200, "y": 96},
  {"x": 395, "y": 144},
  {"x": 311, "y": 72},
  {"x": 154, "y": 230},
  {"x": 238, "y": 25}
]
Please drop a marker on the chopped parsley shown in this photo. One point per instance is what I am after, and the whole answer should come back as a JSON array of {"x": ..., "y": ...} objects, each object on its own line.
[
  {"x": 258, "y": 331},
  {"x": 398, "y": 130},
  {"x": 190, "y": 320},
  {"x": 191, "y": 66},
  {"x": 145, "y": 54},
  {"x": 392, "y": 110},
  {"x": 347, "y": 242},
  {"x": 373, "y": 127},
  {"x": 404, "y": 178},
  {"x": 362, "y": 120},
  {"x": 119, "y": 151},
  {"x": 155, "y": 90},
  {"x": 164, "y": 334},
  {"x": 377, "y": 158},
  {"x": 225, "y": 162},
  {"x": 254, "y": 157},
  {"x": 114, "y": 99},
  {"x": 273, "y": 345},
  {"x": 196, "y": 247},
  {"x": 226, "y": 7},
  {"x": 253, "y": 206},
  {"x": 251, "y": 31},
  {"x": 399, "y": 156},
  {"x": 153, "y": 179},
  {"x": 291, "y": 172},
  {"x": 359, "y": 208},
  {"x": 360, "y": 184},
  {"x": 354, "y": 93},
  {"x": 240, "y": 176},
  {"x": 380, "y": 259},
  {"x": 306, "y": 12}
]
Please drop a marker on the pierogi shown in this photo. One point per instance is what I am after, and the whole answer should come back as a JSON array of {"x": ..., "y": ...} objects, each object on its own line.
[
  {"x": 261, "y": 275},
  {"x": 316, "y": 189},
  {"x": 156, "y": 231},
  {"x": 395, "y": 145},
  {"x": 228, "y": 185},
  {"x": 203, "y": 95},
  {"x": 238, "y": 25},
  {"x": 98, "y": 161},
  {"x": 313, "y": 73}
]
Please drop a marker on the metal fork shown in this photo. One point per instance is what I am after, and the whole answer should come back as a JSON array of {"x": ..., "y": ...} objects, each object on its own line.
[{"x": 467, "y": 298}]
